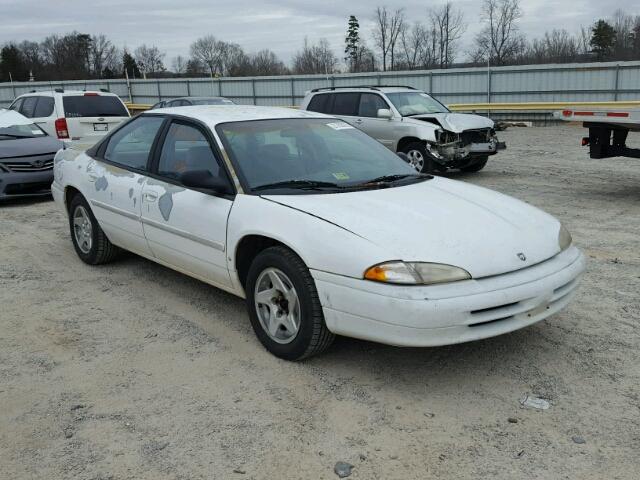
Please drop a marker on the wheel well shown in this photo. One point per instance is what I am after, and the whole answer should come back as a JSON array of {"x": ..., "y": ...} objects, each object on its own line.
[
  {"x": 406, "y": 141},
  {"x": 248, "y": 249},
  {"x": 69, "y": 193}
]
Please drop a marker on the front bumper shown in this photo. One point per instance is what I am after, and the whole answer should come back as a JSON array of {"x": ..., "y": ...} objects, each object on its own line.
[
  {"x": 421, "y": 316},
  {"x": 25, "y": 184}
]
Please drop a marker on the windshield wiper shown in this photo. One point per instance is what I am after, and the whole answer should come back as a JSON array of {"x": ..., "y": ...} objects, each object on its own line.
[
  {"x": 299, "y": 184},
  {"x": 13, "y": 135},
  {"x": 393, "y": 178}
]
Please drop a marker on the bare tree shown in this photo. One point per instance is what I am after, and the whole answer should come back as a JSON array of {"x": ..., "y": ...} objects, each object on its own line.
[
  {"x": 448, "y": 24},
  {"x": 415, "y": 41},
  {"x": 317, "y": 58},
  {"x": 386, "y": 33},
  {"x": 179, "y": 65},
  {"x": 149, "y": 59},
  {"x": 103, "y": 54},
  {"x": 209, "y": 52},
  {"x": 265, "y": 62},
  {"x": 500, "y": 40}
]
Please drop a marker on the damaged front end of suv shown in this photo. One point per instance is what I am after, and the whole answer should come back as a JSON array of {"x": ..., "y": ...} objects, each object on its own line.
[{"x": 457, "y": 149}]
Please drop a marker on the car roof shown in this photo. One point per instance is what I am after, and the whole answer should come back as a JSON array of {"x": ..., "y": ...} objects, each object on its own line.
[
  {"x": 375, "y": 88},
  {"x": 213, "y": 115},
  {"x": 66, "y": 92},
  {"x": 199, "y": 98}
]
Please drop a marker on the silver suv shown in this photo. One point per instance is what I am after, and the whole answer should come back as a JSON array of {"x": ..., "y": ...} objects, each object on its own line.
[{"x": 412, "y": 122}]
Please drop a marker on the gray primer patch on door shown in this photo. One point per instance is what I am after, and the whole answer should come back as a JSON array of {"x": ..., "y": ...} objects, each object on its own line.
[
  {"x": 101, "y": 183},
  {"x": 165, "y": 204}
]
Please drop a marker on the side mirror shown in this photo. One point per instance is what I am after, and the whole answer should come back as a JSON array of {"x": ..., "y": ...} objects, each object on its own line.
[
  {"x": 203, "y": 180},
  {"x": 385, "y": 113}
]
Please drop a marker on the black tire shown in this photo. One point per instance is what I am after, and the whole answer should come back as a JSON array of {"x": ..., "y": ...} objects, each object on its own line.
[
  {"x": 102, "y": 250},
  {"x": 429, "y": 164},
  {"x": 313, "y": 336},
  {"x": 478, "y": 164}
]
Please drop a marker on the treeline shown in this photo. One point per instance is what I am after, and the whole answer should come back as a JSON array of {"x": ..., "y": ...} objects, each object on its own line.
[{"x": 393, "y": 43}]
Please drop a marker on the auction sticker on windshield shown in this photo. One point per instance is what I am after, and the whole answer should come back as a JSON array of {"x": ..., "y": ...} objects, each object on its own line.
[{"x": 339, "y": 125}]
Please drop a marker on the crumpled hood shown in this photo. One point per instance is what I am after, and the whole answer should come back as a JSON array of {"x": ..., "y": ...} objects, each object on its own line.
[
  {"x": 23, "y": 147},
  {"x": 457, "y": 122},
  {"x": 441, "y": 221}
]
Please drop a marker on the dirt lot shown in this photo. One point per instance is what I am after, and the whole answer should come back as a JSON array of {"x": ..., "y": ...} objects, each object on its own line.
[{"x": 133, "y": 371}]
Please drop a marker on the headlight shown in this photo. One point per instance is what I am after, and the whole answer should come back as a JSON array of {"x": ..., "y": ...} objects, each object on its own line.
[
  {"x": 564, "y": 238},
  {"x": 415, "y": 273}
]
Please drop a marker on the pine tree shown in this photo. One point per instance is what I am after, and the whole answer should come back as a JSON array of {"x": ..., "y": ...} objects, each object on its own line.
[
  {"x": 352, "y": 44},
  {"x": 603, "y": 37},
  {"x": 130, "y": 66}
]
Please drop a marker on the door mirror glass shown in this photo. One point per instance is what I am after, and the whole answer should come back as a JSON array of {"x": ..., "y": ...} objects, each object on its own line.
[
  {"x": 385, "y": 113},
  {"x": 204, "y": 180}
]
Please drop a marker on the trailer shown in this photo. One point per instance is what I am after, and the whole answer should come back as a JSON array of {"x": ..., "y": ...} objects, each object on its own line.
[{"x": 608, "y": 130}]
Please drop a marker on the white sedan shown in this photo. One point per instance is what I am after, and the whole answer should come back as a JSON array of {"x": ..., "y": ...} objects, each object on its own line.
[{"x": 322, "y": 229}]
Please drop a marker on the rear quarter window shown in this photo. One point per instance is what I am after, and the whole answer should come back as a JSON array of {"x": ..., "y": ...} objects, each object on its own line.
[
  {"x": 93, "y": 106},
  {"x": 319, "y": 103}
]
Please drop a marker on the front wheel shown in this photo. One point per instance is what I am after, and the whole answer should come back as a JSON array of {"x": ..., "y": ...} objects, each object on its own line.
[
  {"x": 419, "y": 158},
  {"x": 477, "y": 165},
  {"x": 284, "y": 307}
]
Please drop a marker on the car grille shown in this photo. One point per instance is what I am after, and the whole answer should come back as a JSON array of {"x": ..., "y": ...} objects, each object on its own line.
[
  {"x": 36, "y": 163},
  {"x": 482, "y": 135}
]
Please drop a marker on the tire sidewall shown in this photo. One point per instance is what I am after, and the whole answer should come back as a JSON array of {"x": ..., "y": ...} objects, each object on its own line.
[
  {"x": 92, "y": 256},
  {"x": 299, "y": 345},
  {"x": 429, "y": 165}
]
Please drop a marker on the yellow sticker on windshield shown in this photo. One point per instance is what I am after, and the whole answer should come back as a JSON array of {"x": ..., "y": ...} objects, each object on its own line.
[{"x": 341, "y": 176}]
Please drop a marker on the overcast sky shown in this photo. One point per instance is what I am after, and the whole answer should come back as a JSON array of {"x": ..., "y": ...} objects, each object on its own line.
[{"x": 280, "y": 25}]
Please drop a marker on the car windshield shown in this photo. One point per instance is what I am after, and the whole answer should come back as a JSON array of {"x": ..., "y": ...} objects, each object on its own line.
[
  {"x": 30, "y": 130},
  {"x": 303, "y": 154},
  {"x": 212, "y": 101},
  {"x": 416, "y": 103}
]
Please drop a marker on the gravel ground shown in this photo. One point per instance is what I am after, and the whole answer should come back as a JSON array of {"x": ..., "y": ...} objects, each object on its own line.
[{"x": 133, "y": 371}]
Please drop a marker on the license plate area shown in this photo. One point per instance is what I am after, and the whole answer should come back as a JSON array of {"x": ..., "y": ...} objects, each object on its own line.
[{"x": 100, "y": 127}]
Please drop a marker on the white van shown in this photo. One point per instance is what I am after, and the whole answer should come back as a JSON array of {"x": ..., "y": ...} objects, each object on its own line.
[{"x": 81, "y": 117}]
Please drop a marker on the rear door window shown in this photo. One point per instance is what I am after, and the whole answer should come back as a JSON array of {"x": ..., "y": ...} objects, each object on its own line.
[
  {"x": 346, "y": 104},
  {"x": 28, "y": 106},
  {"x": 44, "y": 107},
  {"x": 130, "y": 146},
  {"x": 93, "y": 106}
]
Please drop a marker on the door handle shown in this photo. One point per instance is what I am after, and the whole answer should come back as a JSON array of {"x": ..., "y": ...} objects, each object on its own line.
[
  {"x": 358, "y": 120},
  {"x": 149, "y": 196}
]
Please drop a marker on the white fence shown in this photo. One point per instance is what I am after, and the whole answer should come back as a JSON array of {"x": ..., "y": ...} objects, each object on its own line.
[{"x": 532, "y": 83}]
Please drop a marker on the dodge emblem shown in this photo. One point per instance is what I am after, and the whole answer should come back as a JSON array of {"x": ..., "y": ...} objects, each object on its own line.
[{"x": 522, "y": 257}]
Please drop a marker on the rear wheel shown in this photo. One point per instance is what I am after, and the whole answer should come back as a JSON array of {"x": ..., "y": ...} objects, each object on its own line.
[
  {"x": 90, "y": 242},
  {"x": 419, "y": 158},
  {"x": 284, "y": 307},
  {"x": 477, "y": 165}
]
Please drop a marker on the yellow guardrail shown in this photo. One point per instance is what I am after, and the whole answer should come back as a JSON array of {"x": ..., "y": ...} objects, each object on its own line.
[
  {"x": 483, "y": 107},
  {"x": 137, "y": 107},
  {"x": 538, "y": 106}
]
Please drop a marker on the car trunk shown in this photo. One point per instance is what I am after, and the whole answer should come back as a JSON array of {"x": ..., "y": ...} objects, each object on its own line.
[{"x": 91, "y": 116}]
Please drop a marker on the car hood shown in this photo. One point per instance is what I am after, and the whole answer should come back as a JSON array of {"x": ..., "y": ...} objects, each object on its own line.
[
  {"x": 441, "y": 221},
  {"x": 456, "y": 122},
  {"x": 23, "y": 147}
]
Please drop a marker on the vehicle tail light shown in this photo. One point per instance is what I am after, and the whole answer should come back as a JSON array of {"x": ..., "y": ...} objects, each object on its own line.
[
  {"x": 91, "y": 94},
  {"x": 566, "y": 113},
  {"x": 585, "y": 141},
  {"x": 61, "y": 128}
]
